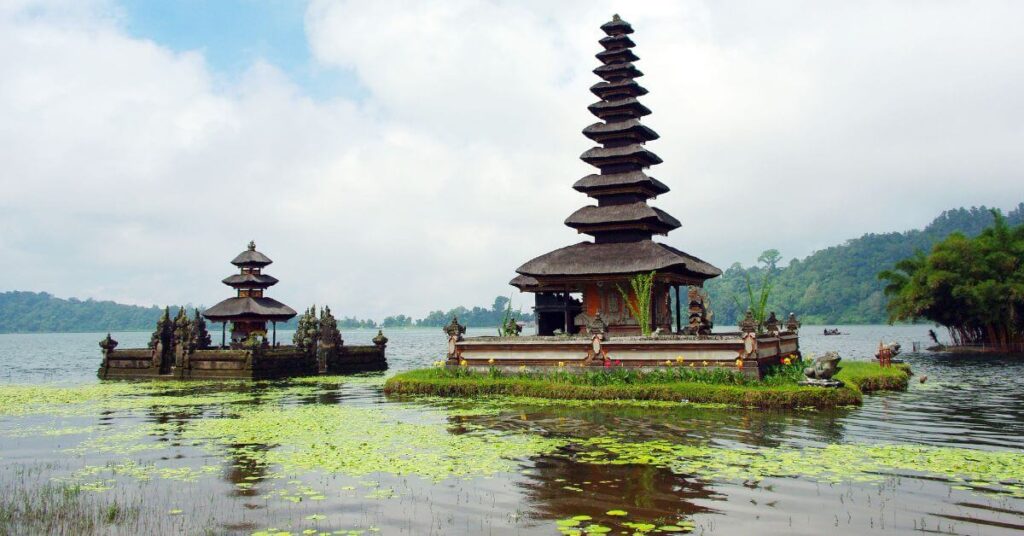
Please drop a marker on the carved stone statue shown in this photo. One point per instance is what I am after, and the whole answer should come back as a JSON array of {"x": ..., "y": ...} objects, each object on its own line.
[
  {"x": 823, "y": 367},
  {"x": 107, "y": 345},
  {"x": 380, "y": 340},
  {"x": 454, "y": 329},
  {"x": 182, "y": 338},
  {"x": 748, "y": 324},
  {"x": 511, "y": 328},
  {"x": 792, "y": 324},
  {"x": 200, "y": 336},
  {"x": 597, "y": 326},
  {"x": 307, "y": 332},
  {"x": 701, "y": 318},
  {"x": 771, "y": 325}
]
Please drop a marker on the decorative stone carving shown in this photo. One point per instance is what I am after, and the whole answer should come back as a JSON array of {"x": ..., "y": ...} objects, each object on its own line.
[
  {"x": 792, "y": 324},
  {"x": 748, "y": 324},
  {"x": 182, "y": 338},
  {"x": 771, "y": 325},
  {"x": 821, "y": 371},
  {"x": 328, "y": 339},
  {"x": 107, "y": 345},
  {"x": 200, "y": 336},
  {"x": 597, "y": 326},
  {"x": 380, "y": 340},
  {"x": 700, "y": 320},
  {"x": 454, "y": 329},
  {"x": 511, "y": 328},
  {"x": 307, "y": 332}
]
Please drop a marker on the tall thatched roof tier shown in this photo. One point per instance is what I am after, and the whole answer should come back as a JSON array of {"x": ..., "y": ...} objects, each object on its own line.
[
  {"x": 235, "y": 309},
  {"x": 588, "y": 260},
  {"x": 617, "y": 183},
  {"x": 250, "y": 280},
  {"x": 593, "y": 219},
  {"x": 251, "y": 258}
]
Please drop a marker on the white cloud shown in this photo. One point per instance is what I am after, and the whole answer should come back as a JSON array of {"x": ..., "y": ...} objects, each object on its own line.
[{"x": 129, "y": 172}]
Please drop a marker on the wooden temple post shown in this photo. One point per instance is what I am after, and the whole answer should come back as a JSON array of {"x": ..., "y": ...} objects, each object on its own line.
[
  {"x": 567, "y": 312},
  {"x": 273, "y": 340},
  {"x": 679, "y": 305},
  {"x": 223, "y": 332}
]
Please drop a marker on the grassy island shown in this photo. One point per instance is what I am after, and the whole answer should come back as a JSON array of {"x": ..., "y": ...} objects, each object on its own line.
[{"x": 778, "y": 389}]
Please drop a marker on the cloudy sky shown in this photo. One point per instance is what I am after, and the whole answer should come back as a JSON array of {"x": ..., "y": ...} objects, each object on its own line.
[{"x": 398, "y": 157}]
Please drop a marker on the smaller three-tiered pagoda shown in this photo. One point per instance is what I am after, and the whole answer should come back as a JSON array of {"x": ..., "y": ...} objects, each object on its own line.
[
  {"x": 249, "y": 311},
  {"x": 181, "y": 349}
]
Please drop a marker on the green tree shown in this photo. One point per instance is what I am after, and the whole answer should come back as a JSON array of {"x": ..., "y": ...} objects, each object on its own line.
[{"x": 974, "y": 287}]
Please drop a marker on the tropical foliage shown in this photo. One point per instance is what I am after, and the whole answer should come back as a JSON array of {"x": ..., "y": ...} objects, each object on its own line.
[
  {"x": 839, "y": 284},
  {"x": 639, "y": 303},
  {"x": 972, "y": 286}
]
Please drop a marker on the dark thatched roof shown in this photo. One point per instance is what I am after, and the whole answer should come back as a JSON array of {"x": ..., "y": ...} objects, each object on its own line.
[
  {"x": 617, "y": 180},
  {"x": 617, "y": 130},
  {"x": 251, "y": 257},
  {"x": 618, "y": 258},
  {"x": 615, "y": 71},
  {"x": 616, "y": 55},
  {"x": 617, "y": 26},
  {"x": 598, "y": 156},
  {"x": 617, "y": 41},
  {"x": 253, "y": 280},
  {"x": 233, "y": 309},
  {"x": 625, "y": 87},
  {"x": 628, "y": 106},
  {"x": 627, "y": 213}
]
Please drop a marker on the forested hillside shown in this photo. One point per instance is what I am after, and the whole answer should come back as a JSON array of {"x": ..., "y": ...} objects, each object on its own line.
[
  {"x": 35, "y": 312},
  {"x": 839, "y": 285}
]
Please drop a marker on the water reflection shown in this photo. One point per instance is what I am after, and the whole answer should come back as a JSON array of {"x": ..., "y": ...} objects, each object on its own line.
[{"x": 972, "y": 401}]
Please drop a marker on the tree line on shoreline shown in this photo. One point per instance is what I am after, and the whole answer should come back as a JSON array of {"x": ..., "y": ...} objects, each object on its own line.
[
  {"x": 41, "y": 312},
  {"x": 837, "y": 285}
]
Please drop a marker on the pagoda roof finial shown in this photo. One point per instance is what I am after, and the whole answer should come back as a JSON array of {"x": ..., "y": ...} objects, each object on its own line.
[
  {"x": 616, "y": 17},
  {"x": 252, "y": 245}
]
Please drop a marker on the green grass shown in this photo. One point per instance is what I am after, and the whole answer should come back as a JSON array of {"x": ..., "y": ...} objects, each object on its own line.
[
  {"x": 778, "y": 389},
  {"x": 868, "y": 377}
]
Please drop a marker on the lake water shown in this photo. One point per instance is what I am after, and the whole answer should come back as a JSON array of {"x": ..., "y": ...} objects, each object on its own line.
[{"x": 336, "y": 456}]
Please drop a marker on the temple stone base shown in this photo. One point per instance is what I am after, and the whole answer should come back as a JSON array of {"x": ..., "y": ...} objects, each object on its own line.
[
  {"x": 259, "y": 363},
  {"x": 749, "y": 353}
]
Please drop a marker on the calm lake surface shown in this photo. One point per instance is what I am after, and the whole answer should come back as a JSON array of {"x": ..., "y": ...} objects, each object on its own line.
[{"x": 336, "y": 456}]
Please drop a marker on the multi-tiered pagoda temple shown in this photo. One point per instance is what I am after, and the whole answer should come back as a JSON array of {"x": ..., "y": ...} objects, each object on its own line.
[
  {"x": 589, "y": 294},
  {"x": 249, "y": 311},
  {"x": 621, "y": 223}
]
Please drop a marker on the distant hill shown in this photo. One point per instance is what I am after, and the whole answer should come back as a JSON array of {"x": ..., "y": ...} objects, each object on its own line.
[
  {"x": 839, "y": 285},
  {"x": 39, "y": 312}
]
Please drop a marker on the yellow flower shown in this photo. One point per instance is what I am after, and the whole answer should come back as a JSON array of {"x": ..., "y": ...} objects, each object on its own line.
[
  {"x": 739, "y": 363},
  {"x": 463, "y": 362},
  {"x": 680, "y": 359},
  {"x": 491, "y": 361},
  {"x": 522, "y": 368},
  {"x": 561, "y": 363},
  {"x": 693, "y": 365},
  {"x": 787, "y": 361},
  {"x": 668, "y": 363},
  {"x": 705, "y": 363}
]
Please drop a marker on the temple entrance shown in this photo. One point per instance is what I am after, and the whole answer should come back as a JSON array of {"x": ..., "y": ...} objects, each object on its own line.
[{"x": 556, "y": 312}]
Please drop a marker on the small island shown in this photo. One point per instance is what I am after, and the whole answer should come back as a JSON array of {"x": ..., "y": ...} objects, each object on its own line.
[{"x": 605, "y": 308}]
